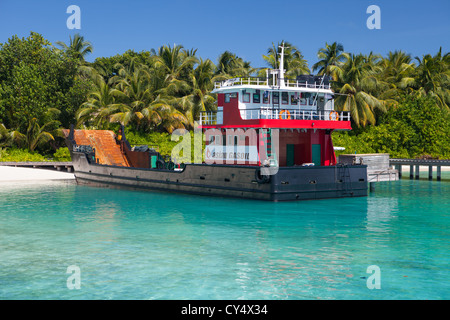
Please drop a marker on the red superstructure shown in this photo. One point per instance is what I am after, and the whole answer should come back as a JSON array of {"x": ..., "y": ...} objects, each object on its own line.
[{"x": 300, "y": 111}]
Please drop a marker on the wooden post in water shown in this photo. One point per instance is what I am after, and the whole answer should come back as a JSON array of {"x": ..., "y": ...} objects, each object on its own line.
[
  {"x": 399, "y": 169},
  {"x": 417, "y": 172},
  {"x": 430, "y": 172},
  {"x": 438, "y": 174},
  {"x": 411, "y": 172}
]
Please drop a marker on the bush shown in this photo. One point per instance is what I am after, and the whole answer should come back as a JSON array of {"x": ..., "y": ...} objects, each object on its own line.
[
  {"x": 62, "y": 154},
  {"x": 416, "y": 127},
  {"x": 160, "y": 139},
  {"x": 20, "y": 155}
]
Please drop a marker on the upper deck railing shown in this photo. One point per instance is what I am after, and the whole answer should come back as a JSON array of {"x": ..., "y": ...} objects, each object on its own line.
[
  {"x": 294, "y": 114},
  {"x": 212, "y": 118},
  {"x": 253, "y": 81}
]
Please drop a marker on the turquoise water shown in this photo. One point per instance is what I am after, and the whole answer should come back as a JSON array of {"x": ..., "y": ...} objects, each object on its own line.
[{"x": 143, "y": 245}]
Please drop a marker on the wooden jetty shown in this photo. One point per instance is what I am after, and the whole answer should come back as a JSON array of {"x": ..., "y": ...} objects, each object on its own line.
[
  {"x": 415, "y": 164},
  {"x": 50, "y": 165}
]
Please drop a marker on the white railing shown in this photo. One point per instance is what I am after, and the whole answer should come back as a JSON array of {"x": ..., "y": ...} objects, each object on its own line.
[
  {"x": 240, "y": 82},
  {"x": 212, "y": 118},
  {"x": 294, "y": 114},
  {"x": 312, "y": 85},
  {"x": 264, "y": 82}
]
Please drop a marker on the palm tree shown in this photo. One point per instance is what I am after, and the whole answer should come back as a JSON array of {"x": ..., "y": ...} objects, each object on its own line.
[
  {"x": 229, "y": 65},
  {"x": 77, "y": 47},
  {"x": 5, "y": 136},
  {"x": 294, "y": 62},
  {"x": 164, "y": 116},
  {"x": 174, "y": 62},
  {"x": 355, "y": 86},
  {"x": 331, "y": 55},
  {"x": 100, "y": 105},
  {"x": 200, "y": 98},
  {"x": 9, "y": 137},
  {"x": 397, "y": 72},
  {"x": 136, "y": 96},
  {"x": 433, "y": 77},
  {"x": 36, "y": 135}
]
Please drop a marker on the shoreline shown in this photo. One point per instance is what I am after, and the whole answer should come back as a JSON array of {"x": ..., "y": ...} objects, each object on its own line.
[{"x": 11, "y": 174}]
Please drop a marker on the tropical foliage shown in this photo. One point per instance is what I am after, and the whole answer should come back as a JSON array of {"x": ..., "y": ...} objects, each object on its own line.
[
  {"x": 330, "y": 55},
  {"x": 294, "y": 62},
  {"x": 152, "y": 93},
  {"x": 416, "y": 127},
  {"x": 78, "y": 47}
]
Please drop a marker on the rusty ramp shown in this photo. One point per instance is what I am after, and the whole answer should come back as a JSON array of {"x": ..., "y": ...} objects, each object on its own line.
[{"x": 107, "y": 150}]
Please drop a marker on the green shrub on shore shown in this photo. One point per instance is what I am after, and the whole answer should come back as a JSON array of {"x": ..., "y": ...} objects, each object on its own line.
[
  {"x": 62, "y": 155},
  {"x": 415, "y": 128},
  {"x": 20, "y": 155},
  {"x": 160, "y": 139}
]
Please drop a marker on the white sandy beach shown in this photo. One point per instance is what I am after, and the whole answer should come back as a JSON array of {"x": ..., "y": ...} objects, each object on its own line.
[{"x": 32, "y": 174}]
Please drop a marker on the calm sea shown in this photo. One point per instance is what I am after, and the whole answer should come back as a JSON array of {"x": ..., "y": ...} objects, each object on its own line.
[{"x": 119, "y": 244}]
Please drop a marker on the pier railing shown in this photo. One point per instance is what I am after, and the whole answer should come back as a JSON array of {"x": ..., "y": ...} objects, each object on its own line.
[{"x": 420, "y": 162}]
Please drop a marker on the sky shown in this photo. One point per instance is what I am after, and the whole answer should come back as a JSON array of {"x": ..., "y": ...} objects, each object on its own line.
[{"x": 246, "y": 28}]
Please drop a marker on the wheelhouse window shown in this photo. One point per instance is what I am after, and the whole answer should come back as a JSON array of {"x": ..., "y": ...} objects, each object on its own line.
[
  {"x": 246, "y": 97},
  {"x": 302, "y": 98},
  {"x": 229, "y": 96},
  {"x": 276, "y": 97},
  {"x": 311, "y": 99},
  {"x": 284, "y": 98},
  {"x": 294, "y": 99},
  {"x": 266, "y": 97},
  {"x": 256, "y": 97},
  {"x": 306, "y": 98}
]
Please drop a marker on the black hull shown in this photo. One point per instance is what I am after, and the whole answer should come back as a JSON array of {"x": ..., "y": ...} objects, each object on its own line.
[{"x": 289, "y": 183}]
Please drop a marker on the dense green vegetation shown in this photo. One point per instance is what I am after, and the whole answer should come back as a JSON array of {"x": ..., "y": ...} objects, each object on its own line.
[
  {"x": 414, "y": 128},
  {"x": 399, "y": 104}
]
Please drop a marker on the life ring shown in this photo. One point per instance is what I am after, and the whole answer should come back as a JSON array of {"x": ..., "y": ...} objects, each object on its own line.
[
  {"x": 336, "y": 117},
  {"x": 287, "y": 112},
  {"x": 261, "y": 178}
]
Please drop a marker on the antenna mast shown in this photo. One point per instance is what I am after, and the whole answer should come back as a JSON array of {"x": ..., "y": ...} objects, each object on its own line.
[{"x": 281, "y": 68}]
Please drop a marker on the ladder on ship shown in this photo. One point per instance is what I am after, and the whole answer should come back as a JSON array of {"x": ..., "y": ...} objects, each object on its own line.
[
  {"x": 275, "y": 104},
  {"x": 267, "y": 144},
  {"x": 345, "y": 179}
]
